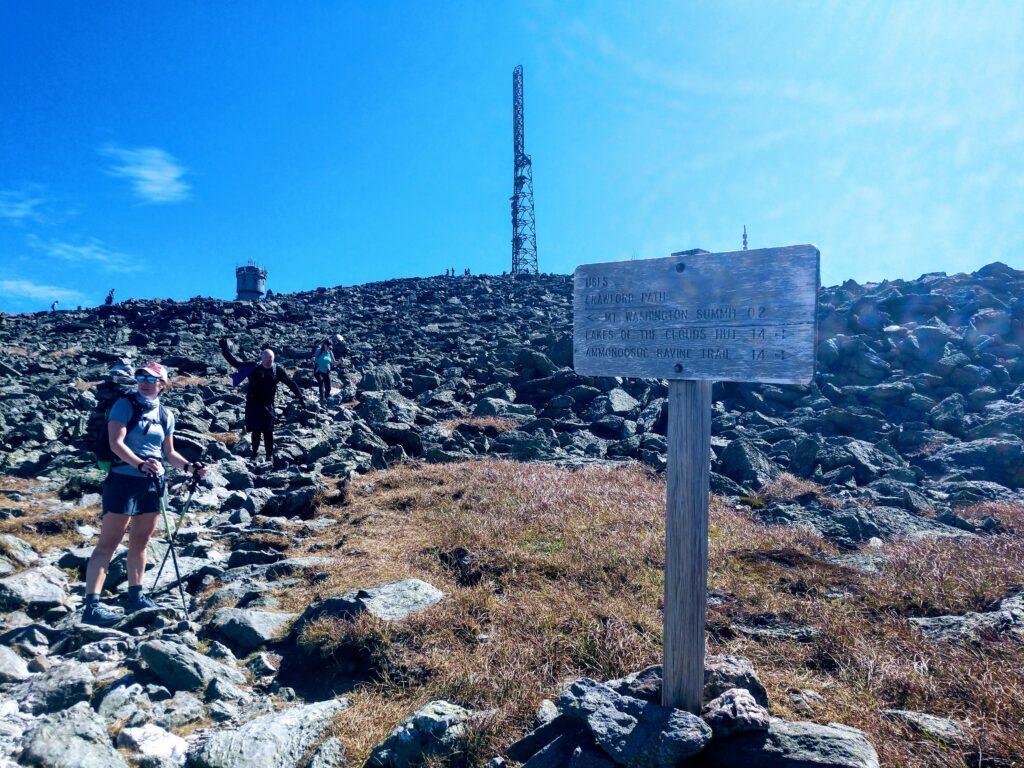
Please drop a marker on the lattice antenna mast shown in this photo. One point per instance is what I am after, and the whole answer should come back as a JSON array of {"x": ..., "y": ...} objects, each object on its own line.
[{"x": 524, "y": 227}]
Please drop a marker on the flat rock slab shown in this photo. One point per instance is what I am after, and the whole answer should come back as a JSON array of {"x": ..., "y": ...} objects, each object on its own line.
[
  {"x": 1007, "y": 620},
  {"x": 246, "y": 630},
  {"x": 152, "y": 740},
  {"x": 58, "y": 688},
  {"x": 432, "y": 731},
  {"x": 393, "y": 601},
  {"x": 182, "y": 668},
  {"x": 13, "y": 668},
  {"x": 939, "y": 728},
  {"x": 281, "y": 739},
  {"x": 35, "y": 589},
  {"x": 74, "y": 738},
  {"x": 792, "y": 745}
]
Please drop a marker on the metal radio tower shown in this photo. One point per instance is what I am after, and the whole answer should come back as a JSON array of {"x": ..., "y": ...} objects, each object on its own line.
[{"x": 524, "y": 228}]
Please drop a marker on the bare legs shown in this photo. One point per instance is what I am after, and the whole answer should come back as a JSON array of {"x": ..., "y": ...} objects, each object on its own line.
[{"x": 111, "y": 533}]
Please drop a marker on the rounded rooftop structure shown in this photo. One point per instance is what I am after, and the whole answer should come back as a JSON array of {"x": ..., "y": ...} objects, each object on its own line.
[{"x": 251, "y": 282}]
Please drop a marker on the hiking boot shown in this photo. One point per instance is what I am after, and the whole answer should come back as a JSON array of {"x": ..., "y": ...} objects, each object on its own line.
[
  {"x": 132, "y": 605},
  {"x": 99, "y": 614}
]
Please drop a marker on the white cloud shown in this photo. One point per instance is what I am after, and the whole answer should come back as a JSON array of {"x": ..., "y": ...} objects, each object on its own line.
[
  {"x": 21, "y": 205},
  {"x": 26, "y": 289},
  {"x": 86, "y": 250},
  {"x": 156, "y": 175}
]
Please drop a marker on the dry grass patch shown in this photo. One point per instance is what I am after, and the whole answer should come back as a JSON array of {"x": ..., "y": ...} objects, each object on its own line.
[
  {"x": 85, "y": 385},
  {"x": 58, "y": 353},
  {"x": 787, "y": 487},
  {"x": 227, "y": 438},
  {"x": 491, "y": 424},
  {"x": 33, "y": 520},
  {"x": 1010, "y": 516},
  {"x": 553, "y": 574},
  {"x": 187, "y": 381},
  {"x": 16, "y": 351}
]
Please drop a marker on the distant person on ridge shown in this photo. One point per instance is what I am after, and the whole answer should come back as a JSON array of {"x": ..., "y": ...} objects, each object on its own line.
[
  {"x": 110, "y": 298},
  {"x": 53, "y": 307},
  {"x": 323, "y": 359},
  {"x": 263, "y": 377}
]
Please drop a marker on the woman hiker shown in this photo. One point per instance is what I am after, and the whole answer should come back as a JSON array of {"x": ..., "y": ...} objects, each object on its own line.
[
  {"x": 134, "y": 488},
  {"x": 323, "y": 359},
  {"x": 263, "y": 377}
]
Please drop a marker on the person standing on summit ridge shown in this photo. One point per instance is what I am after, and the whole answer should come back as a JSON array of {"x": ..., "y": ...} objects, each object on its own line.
[
  {"x": 263, "y": 377},
  {"x": 323, "y": 359}
]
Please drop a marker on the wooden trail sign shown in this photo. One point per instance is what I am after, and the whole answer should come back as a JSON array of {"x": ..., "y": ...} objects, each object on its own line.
[
  {"x": 741, "y": 316},
  {"x": 694, "y": 319}
]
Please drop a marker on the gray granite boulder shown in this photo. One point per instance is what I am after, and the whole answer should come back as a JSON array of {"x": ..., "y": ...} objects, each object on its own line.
[
  {"x": 735, "y": 711},
  {"x": 1007, "y": 620},
  {"x": 435, "y": 730},
  {"x": 13, "y": 668},
  {"x": 182, "y": 668},
  {"x": 35, "y": 589},
  {"x": 17, "y": 550},
  {"x": 58, "y": 688},
  {"x": 393, "y": 601},
  {"x": 633, "y": 732},
  {"x": 74, "y": 738},
  {"x": 153, "y": 741},
  {"x": 748, "y": 465},
  {"x": 246, "y": 630},
  {"x": 724, "y": 672},
  {"x": 938, "y": 728},
  {"x": 792, "y": 745},
  {"x": 280, "y": 739}
]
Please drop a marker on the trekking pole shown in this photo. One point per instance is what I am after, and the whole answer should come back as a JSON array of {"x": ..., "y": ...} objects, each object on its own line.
[
  {"x": 174, "y": 557},
  {"x": 192, "y": 485}
]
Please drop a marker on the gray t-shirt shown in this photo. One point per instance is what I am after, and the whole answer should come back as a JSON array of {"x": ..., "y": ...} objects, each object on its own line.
[{"x": 146, "y": 440}]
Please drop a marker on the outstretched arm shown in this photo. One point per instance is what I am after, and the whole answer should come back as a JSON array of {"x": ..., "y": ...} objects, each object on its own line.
[{"x": 224, "y": 350}]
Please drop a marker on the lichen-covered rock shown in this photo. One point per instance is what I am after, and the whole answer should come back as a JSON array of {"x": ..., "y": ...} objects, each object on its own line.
[
  {"x": 74, "y": 738},
  {"x": 34, "y": 590},
  {"x": 246, "y": 630},
  {"x": 634, "y": 732},
  {"x": 58, "y": 688},
  {"x": 393, "y": 601},
  {"x": 435, "y": 730},
  {"x": 182, "y": 668},
  {"x": 793, "y": 745},
  {"x": 281, "y": 739},
  {"x": 735, "y": 711}
]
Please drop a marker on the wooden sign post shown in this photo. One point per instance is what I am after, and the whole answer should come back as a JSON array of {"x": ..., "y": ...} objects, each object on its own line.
[{"x": 693, "y": 319}]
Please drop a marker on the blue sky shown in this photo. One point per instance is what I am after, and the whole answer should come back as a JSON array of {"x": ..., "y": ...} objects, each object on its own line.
[{"x": 152, "y": 147}]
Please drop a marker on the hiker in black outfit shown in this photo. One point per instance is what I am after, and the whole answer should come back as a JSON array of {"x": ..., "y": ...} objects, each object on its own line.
[{"x": 263, "y": 377}]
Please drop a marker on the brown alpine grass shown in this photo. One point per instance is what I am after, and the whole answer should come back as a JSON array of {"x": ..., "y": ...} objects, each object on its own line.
[{"x": 564, "y": 579}]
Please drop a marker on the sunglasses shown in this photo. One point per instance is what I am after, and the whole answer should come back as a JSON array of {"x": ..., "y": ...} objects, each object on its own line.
[{"x": 150, "y": 379}]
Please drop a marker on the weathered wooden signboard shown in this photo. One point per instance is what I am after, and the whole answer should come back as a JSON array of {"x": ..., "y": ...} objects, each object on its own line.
[
  {"x": 742, "y": 316},
  {"x": 694, "y": 319}
]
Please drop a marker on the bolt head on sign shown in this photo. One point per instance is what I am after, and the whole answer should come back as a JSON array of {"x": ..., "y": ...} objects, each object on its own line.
[{"x": 737, "y": 316}]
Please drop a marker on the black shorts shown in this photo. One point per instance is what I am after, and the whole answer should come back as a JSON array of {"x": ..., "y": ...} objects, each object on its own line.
[{"x": 127, "y": 495}]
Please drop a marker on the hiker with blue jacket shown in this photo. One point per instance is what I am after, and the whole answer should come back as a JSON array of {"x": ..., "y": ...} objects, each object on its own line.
[
  {"x": 323, "y": 359},
  {"x": 141, "y": 435},
  {"x": 263, "y": 378}
]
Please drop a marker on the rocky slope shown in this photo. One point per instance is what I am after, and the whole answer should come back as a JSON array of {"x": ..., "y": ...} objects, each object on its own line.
[
  {"x": 917, "y": 405},
  {"x": 916, "y": 414}
]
